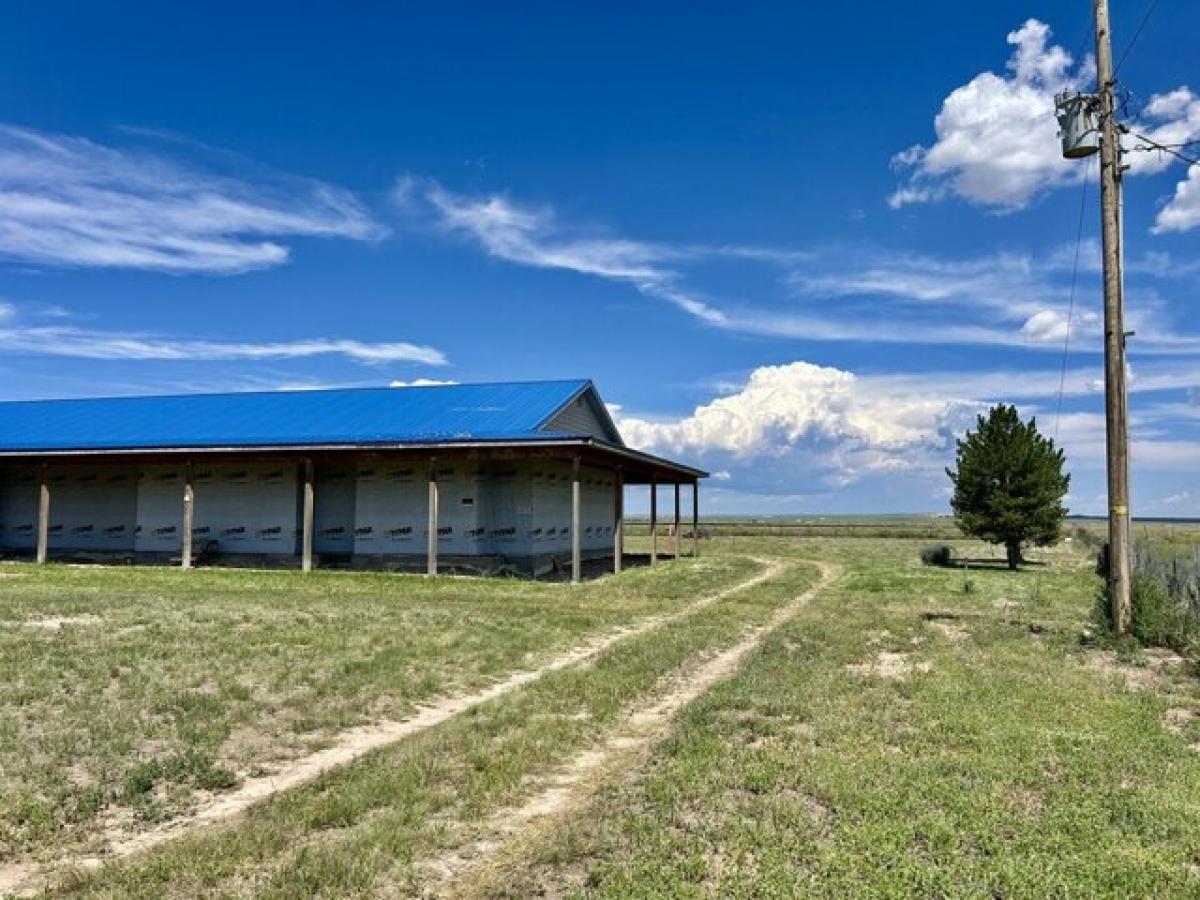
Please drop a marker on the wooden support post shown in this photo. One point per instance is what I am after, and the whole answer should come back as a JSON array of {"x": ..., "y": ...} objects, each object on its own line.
[
  {"x": 307, "y": 513},
  {"x": 431, "y": 547},
  {"x": 696, "y": 517},
  {"x": 189, "y": 503},
  {"x": 618, "y": 520},
  {"x": 43, "y": 525},
  {"x": 576, "y": 521},
  {"x": 653, "y": 521},
  {"x": 676, "y": 532}
]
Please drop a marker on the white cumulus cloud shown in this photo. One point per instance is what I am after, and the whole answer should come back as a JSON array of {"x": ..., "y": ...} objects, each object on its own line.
[
  {"x": 1051, "y": 326},
  {"x": 838, "y": 426},
  {"x": 997, "y": 138},
  {"x": 1183, "y": 211}
]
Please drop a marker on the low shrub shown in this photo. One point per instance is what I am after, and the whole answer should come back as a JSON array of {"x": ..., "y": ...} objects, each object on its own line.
[{"x": 937, "y": 555}]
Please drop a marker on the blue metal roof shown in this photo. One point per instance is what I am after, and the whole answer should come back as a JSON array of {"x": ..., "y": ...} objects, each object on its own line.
[{"x": 515, "y": 411}]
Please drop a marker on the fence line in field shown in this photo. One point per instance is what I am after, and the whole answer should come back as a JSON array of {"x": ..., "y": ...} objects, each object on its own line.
[{"x": 932, "y": 531}]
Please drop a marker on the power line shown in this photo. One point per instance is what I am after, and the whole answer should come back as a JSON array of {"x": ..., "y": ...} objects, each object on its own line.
[
  {"x": 1062, "y": 375},
  {"x": 1133, "y": 40},
  {"x": 1167, "y": 148}
]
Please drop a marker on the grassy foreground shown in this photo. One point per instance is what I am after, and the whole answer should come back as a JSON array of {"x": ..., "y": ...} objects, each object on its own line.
[
  {"x": 913, "y": 732},
  {"x": 128, "y": 691},
  {"x": 371, "y": 828}
]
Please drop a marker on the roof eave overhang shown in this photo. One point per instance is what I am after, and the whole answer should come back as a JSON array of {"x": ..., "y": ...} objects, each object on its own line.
[{"x": 635, "y": 458}]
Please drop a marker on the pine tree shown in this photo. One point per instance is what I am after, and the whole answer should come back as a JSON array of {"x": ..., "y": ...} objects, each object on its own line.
[{"x": 1009, "y": 484}]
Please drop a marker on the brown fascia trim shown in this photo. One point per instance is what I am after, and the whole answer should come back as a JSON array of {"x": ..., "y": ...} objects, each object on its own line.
[{"x": 644, "y": 459}]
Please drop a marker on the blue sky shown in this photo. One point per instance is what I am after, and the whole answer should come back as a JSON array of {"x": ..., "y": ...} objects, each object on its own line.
[{"x": 800, "y": 246}]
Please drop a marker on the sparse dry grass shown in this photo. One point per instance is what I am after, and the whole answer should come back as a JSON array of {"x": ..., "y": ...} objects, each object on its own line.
[
  {"x": 368, "y": 828},
  {"x": 128, "y": 693}
]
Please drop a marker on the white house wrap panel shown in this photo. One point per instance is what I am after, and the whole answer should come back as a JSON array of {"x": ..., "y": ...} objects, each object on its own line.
[
  {"x": 93, "y": 508},
  {"x": 507, "y": 509},
  {"x": 391, "y": 507},
  {"x": 249, "y": 508}
]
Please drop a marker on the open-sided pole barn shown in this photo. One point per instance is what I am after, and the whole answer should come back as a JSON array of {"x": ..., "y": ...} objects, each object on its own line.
[{"x": 522, "y": 477}]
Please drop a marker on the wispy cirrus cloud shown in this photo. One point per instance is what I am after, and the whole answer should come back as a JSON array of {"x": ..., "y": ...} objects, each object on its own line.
[
  {"x": 826, "y": 293},
  {"x": 85, "y": 344},
  {"x": 534, "y": 236},
  {"x": 68, "y": 201},
  {"x": 997, "y": 141},
  {"x": 26, "y": 334}
]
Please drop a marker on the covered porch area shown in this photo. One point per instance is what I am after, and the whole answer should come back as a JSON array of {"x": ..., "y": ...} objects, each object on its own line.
[{"x": 530, "y": 507}]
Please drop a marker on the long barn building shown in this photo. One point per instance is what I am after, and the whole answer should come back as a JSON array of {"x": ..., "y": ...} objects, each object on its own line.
[{"x": 524, "y": 477}]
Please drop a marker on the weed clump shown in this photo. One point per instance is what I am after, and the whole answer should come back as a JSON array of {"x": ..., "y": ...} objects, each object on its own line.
[
  {"x": 188, "y": 767},
  {"x": 937, "y": 555},
  {"x": 1165, "y": 598}
]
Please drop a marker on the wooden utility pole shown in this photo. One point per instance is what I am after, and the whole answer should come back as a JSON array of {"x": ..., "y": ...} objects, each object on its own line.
[{"x": 1116, "y": 405}]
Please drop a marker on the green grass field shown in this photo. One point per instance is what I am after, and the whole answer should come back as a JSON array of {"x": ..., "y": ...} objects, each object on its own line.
[{"x": 908, "y": 731}]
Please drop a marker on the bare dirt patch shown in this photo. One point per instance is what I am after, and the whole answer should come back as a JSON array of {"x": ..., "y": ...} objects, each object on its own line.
[
  {"x": 502, "y": 837},
  {"x": 955, "y": 634},
  {"x": 1177, "y": 718},
  {"x": 1157, "y": 664},
  {"x": 1028, "y": 803},
  {"x": 890, "y": 666},
  {"x": 57, "y": 623},
  {"x": 758, "y": 728}
]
